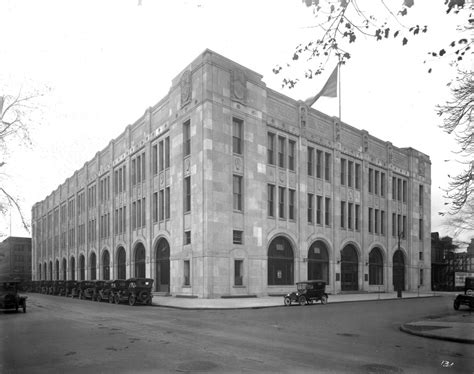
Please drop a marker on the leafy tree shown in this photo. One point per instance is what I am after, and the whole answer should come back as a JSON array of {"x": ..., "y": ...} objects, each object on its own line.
[
  {"x": 341, "y": 23},
  {"x": 14, "y": 129}
]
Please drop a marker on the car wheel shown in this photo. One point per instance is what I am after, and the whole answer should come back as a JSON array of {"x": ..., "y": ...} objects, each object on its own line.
[
  {"x": 456, "y": 304},
  {"x": 287, "y": 301},
  {"x": 132, "y": 300},
  {"x": 324, "y": 299},
  {"x": 469, "y": 292},
  {"x": 117, "y": 299},
  {"x": 302, "y": 300}
]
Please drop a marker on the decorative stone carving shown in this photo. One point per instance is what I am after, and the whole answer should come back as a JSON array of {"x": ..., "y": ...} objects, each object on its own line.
[
  {"x": 421, "y": 167},
  {"x": 282, "y": 177},
  {"x": 238, "y": 164},
  {"x": 365, "y": 142},
  {"x": 303, "y": 117},
  {"x": 162, "y": 180},
  {"x": 337, "y": 132},
  {"x": 187, "y": 165},
  {"x": 186, "y": 88},
  {"x": 389, "y": 152},
  {"x": 238, "y": 85},
  {"x": 351, "y": 195}
]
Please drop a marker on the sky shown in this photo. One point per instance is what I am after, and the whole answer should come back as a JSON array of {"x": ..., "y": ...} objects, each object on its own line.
[{"x": 99, "y": 64}]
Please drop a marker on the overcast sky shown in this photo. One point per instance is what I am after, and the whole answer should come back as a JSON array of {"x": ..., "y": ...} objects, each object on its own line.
[{"x": 100, "y": 64}]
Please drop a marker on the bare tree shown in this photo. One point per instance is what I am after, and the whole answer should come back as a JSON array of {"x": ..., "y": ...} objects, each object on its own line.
[{"x": 14, "y": 130}]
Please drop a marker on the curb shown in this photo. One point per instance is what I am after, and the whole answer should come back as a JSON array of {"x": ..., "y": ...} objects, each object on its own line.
[{"x": 408, "y": 330}]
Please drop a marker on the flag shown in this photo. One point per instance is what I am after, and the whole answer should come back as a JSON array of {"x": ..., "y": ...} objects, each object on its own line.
[{"x": 329, "y": 89}]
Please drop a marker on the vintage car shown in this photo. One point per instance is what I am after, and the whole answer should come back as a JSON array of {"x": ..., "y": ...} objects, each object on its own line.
[
  {"x": 133, "y": 290},
  {"x": 9, "y": 297},
  {"x": 104, "y": 291},
  {"x": 57, "y": 287},
  {"x": 86, "y": 290},
  {"x": 71, "y": 288},
  {"x": 307, "y": 293},
  {"x": 468, "y": 297}
]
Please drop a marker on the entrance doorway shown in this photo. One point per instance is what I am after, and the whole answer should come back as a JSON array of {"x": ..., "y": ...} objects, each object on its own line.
[
  {"x": 399, "y": 270},
  {"x": 162, "y": 267},
  {"x": 349, "y": 269}
]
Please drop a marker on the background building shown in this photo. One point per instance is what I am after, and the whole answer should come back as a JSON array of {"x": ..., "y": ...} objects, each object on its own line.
[
  {"x": 15, "y": 259},
  {"x": 226, "y": 187}
]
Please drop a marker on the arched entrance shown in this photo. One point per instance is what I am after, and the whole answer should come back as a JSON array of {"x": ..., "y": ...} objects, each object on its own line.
[
  {"x": 399, "y": 270},
  {"x": 162, "y": 268},
  {"x": 106, "y": 265},
  {"x": 56, "y": 265},
  {"x": 51, "y": 270},
  {"x": 318, "y": 262},
  {"x": 64, "y": 269},
  {"x": 140, "y": 261},
  {"x": 349, "y": 269},
  {"x": 280, "y": 262},
  {"x": 73, "y": 268},
  {"x": 121, "y": 263},
  {"x": 93, "y": 262},
  {"x": 82, "y": 268},
  {"x": 375, "y": 267}
]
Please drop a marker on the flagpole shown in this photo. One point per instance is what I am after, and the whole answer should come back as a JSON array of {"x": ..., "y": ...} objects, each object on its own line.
[{"x": 339, "y": 83}]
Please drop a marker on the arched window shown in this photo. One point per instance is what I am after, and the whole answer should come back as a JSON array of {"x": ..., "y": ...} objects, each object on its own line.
[
  {"x": 280, "y": 262},
  {"x": 318, "y": 262},
  {"x": 349, "y": 269},
  {"x": 375, "y": 267},
  {"x": 73, "y": 268},
  {"x": 64, "y": 269},
  {"x": 140, "y": 261},
  {"x": 45, "y": 271},
  {"x": 399, "y": 270},
  {"x": 121, "y": 264},
  {"x": 57, "y": 269},
  {"x": 39, "y": 272},
  {"x": 82, "y": 268},
  {"x": 93, "y": 262},
  {"x": 106, "y": 265},
  {"x": 50, "y": 270},
  {"x": 162, "y": 266}
]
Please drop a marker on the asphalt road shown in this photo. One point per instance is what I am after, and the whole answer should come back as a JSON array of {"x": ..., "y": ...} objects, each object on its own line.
[{"x": 63, "y": 335}]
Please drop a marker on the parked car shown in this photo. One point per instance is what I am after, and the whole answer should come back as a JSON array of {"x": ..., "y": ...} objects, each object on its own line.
[
  {"x": 57, "y": 287},
  {"x": 308, "y": 292},
  {"x": 87, "y": 290},
  {"x": 104, "y": 291},
  {"x": 134, "y": 290},
  {"x": 10, "y": 298},
  {"x": 71, "y": 288},
  {"x": 468, "y": 297}
]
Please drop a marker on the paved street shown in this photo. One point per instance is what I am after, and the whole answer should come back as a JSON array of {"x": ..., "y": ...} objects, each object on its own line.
[{"x": 63, "y": 335}]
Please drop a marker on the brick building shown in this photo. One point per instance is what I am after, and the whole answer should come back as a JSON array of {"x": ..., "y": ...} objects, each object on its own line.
[
  {"x": 15, "y": 259},
  {"x": 227, "y": 187}
]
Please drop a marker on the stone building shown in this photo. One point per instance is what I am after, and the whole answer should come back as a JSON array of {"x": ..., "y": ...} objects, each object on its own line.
[
  {"x": 15, "y": 259},
  {"x": 226, "y": 187}
]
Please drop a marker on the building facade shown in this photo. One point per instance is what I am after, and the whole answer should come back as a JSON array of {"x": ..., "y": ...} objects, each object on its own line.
[
  {"x": 226, "y": 188},
  {"x": 15, "y": 259}
]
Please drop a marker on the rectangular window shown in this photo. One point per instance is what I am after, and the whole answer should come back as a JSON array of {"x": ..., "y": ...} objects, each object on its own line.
[
  {"x": 238, "y": 272},
  {"x": 186, "y": 138},
  {"x": 167, "y": 152},
  {"x": 319, "y": 203},
  {"x": 187, "y": 194},
  {"x": 382, "y": 184},
  {"x": 310, "y": 161},
  {"x": 155, "y": 159},
  {"x": 350, "y": 213},
  {"x": 139, "y": 169},
  {"x": 161, "y": 162},
  {"x": 162, "y": 205},
  {"x": 327, "y": 166},
  {"x": 139, "y": 213},
  {"x": 357, "y": 217},
  {"x": 421, "y": 277},
  {"x": 343, "y": 171},
  {"x": 376, "y": 221},
  {"x": 327, "y": 211},
  {"x": 357, "y": 176},
  {"x": 291, "y": 155},
  {"x": 399, "y": 226},
  {"x": 343, "y": 214},
  {"x": 237, "y": 135},
  {"x": 187, "y": 273},
  {"x": 237, "y": 237},
  {"x": 370, "y": 220},
  {"x": 310, "y": 208},
  {"x": 376, "y": 182},
  {"x": 281, "y": 202},
  {"x": 404, "y": 226},
  {"x": 237, "y": 191},
  {"x": 394, "y": 224},
  {"x": 404, "y": 191},
  {"x": 420, "y": 228},
  {"x": 382, "y": 222},
  {"x": 187, "y": 237},
  {"x": 155, "y": 207},
  {"x": 350, "y": 173},
  {"x": 281, "y": 152},
  {"x": 420, "y": 195},
  {"x": 371, "y": 180},
  {"x": 399, "y": 189},
  {"x": 420, "y": 256},
  {"x": 143, "y": 167},
  {"x": 291, "y": 204},
  {"x": 319, "y": 163},
  {"x": 394, "y": 188},
  {"x": 271, "y": 149},
  {"x": 143, "y": 212},
  {"x": 167, "y": 203},
  {"x": 134, "y": 216},
  {"x": 271, "y": 200}
]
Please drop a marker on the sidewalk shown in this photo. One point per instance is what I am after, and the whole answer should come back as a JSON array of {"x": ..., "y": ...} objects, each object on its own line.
[{"x": 269, "y": 301}]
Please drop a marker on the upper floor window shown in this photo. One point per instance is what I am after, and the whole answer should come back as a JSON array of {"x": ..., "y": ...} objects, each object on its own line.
[
  {"x": 310, "y": 160},
  {"x": 186, "y": 138},
  {"x": 291, "y": 155},
  {"x": 237, "y": 126},
  {"x": 237, "y": 190},
  {"x": 281, "y": 151},
  {"x": 271, "y": 148}
]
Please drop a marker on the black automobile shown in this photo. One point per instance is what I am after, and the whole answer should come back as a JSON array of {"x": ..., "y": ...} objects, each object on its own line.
[
  {"x": 104, "y": 291},
  {"x": 133, "y": 290},
  {"x": 468, "y": 297},
  {"x": 308, "y": 292},
  {"x": 71, "y": 289},
  {"x": 87, "y": 290},
  {"x": 10, "y": 298}
]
